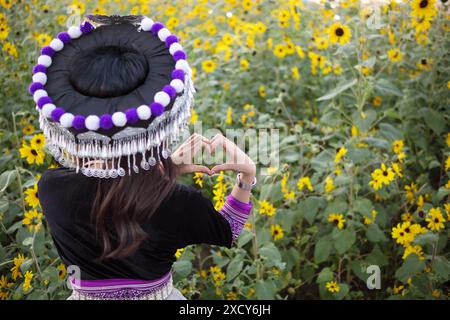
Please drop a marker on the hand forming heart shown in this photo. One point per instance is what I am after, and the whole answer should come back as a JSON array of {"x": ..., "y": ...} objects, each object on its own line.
[{"x": 237, "y": 160}]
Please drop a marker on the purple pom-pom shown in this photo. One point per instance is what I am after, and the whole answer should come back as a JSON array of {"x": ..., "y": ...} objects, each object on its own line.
[
  {"x": 106, "y": 121},
  {"x": 132, "y": 115},
  {"x": 57, "y": 113},
  {"x": 78, "y": 122},
  {"x": 64, "y": 37},
  {"x": 157, "y": 109},
  {"x": 178, "y": 74},
  {"x": 34, "y": 87},
  {"x": 171, "y": 91},
  {"x": 44, "y": 100},
  {"x": 48, "y": 51},
  {"x": 86, "y": 27},
  {"x": 39, "y": 68},
  {"x": 171, "y": 39},
  {"x": 156, "y": 27},
  {"x": 179, "y": 55}
]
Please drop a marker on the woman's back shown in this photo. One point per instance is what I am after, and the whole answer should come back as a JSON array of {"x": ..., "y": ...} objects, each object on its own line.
[{"x": 185, "y": 217}]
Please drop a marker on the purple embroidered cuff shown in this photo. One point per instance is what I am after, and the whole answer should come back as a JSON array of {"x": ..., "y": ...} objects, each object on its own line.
[{"x": 236, "y": 213}]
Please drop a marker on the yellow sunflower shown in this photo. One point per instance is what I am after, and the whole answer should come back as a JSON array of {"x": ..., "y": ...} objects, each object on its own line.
[
  {"x": 435, "y": 219},
  {"x": 38, "y": 141},
  {"x": 208, "y": 66},
  {"x": 395, "y": 55},
  {"x": 337, "y": 219},
  {"x": 332, "y": 286},
  {"x": 31, "y": 154},
  {"x": 277, "y": 231},
  {"x": 423, "y": 8},
  {"x": 339, "y": 33},
  {"x": 31, "y": 198},
  {"x": 33, "y": 219}
]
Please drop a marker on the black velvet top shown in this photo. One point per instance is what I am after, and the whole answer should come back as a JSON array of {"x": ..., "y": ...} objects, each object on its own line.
[{"x": 185, "y": 217}]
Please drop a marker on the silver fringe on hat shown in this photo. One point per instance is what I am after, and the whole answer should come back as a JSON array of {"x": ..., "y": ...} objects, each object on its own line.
[{"x": 75, "y": 150}]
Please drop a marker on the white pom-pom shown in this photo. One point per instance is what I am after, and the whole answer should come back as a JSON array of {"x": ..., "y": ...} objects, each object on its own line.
[
  {"x": 177, "y": 84},
  {"x": 47, "y": 109},
  {"x": 162, "y": 97},
  {"x": 119, "y": 119},
  {"x": 92, "y": 122},
  {"x": 163, "y": 34},
  {"x": 40, "y": 77},
  {"x": 66, "y": 120},
  {"x": 144, "y": 112},
  {"x": 74, "y": 32},
  {"x": 57, "y": 44},
  {"x": 174, "y": 47},
  {"x": 183, "y": 65},
  {"x": 39, "y": 94},
  {"x": 45, "y": 60},
  {"x": 146, "y": 24}
]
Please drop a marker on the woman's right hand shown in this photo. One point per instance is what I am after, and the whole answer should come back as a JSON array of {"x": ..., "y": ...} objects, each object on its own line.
[{"x": 237, "y": 160}]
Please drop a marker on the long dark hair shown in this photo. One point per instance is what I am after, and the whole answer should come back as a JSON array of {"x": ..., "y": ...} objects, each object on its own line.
[{"x": 123, "y": 204}]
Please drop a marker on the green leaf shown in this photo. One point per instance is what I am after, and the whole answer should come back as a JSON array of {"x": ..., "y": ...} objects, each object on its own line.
[
  {"x": 182, "y": 268},
  {"x": 244, "y": 238},
  {"x": 386, "y": 87},
  {"x": 434, "y": 120},
  {"x": 235, "y": 267},
  {"x": 442, "y": 267},
  {"x": 265, "y": 289},
  {"x": 309, "y": 208},
  {"x": 322, "y": 250},
  {"x": 363, "y": 206},
  {"x": 337, "y": 206},
  {"x": 359, "y": 270},
  {"x": 390, "y": 132},
  {"x": 377, "y": 257},
  {"x": 409, "y": 268},
  {"x": 26, "y": 265},
  {"x": 270, "y": 252},
  {"x": 325, "y": 275},
  {"x": 344, "y": 239},
  {"x": 341, "y": 88},
  {"x": 375, "y": 234},
  {"x": 6, "y": 178}
]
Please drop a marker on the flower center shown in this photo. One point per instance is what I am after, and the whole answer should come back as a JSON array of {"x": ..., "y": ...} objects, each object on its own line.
[
  {"x": 339, "y": 32},
  {"x": 34, "y": 152},
  {"x": 423, "y": 4}
]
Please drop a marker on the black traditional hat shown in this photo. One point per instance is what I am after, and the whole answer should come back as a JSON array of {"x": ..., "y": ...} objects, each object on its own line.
[{"x": 145, "y": 111}]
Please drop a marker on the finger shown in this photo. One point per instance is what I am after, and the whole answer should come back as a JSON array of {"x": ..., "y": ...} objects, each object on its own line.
[
  {"x": 185, "y": 143},
  {"x": 200, "y": 168},
  {"x": 192, "y": 168},
  {"x": 222, "y": 167},
  {"x": 187, "y": 154},
  {"x": 198, "y": 144}
]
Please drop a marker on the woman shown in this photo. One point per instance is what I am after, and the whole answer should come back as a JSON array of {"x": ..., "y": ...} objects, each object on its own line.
[{"x": 115, "y": 210}]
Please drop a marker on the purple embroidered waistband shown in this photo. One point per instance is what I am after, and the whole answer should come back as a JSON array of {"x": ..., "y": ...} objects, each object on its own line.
[{"x": 123, "y": 288}]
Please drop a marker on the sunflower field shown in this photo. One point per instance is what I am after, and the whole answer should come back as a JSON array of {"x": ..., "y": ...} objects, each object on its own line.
[{"x": 359, "y": 93}]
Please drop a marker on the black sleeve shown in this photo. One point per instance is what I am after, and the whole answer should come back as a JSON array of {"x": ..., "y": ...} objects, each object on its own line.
[{"x": 200, "y": 222}]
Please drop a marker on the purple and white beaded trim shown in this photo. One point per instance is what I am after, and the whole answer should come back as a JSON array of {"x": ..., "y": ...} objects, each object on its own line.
[
  {"x": 123, "y": 289},
  {"x": 118, "y": 119},
  {"x": 236, "y": 213}
]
